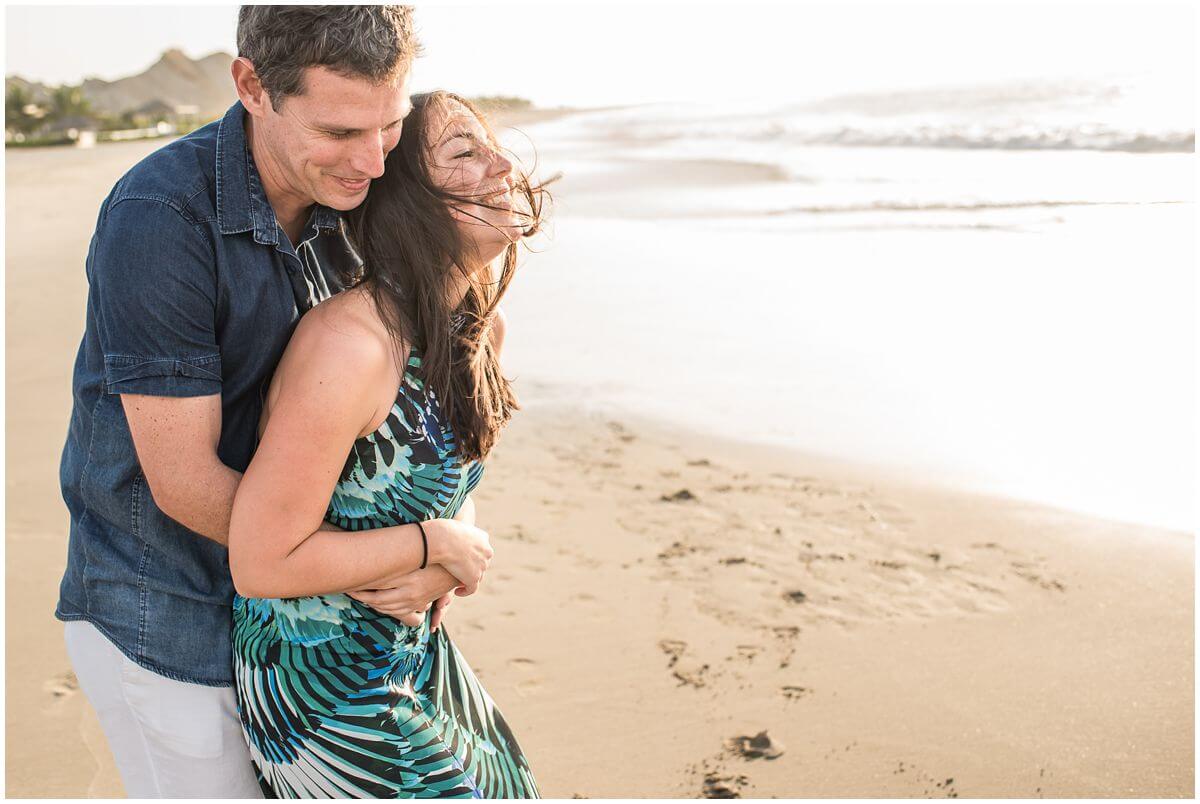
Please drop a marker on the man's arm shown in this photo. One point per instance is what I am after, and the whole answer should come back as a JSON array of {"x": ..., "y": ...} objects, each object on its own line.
[
  {"x": 154, "y": 294},
  {"x": 176, "y": 442}
]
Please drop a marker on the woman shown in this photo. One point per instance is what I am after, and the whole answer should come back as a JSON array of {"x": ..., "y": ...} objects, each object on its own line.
[{"x": 362, "y": 694}]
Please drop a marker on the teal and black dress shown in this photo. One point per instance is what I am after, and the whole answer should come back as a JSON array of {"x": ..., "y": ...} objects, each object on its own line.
[{"x": 340, "y": 701}]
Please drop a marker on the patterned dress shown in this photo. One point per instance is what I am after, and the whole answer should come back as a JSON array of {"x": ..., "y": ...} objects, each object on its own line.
[{"x": 340, "y": 701}]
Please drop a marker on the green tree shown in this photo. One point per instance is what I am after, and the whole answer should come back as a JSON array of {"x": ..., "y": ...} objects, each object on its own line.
[
  {"x": 15, "y": 117},
  {"x": 67, "y": 101}
]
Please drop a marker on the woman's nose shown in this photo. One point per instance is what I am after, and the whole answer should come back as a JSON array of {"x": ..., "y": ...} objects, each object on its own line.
[{"x": 501, "y": 166}]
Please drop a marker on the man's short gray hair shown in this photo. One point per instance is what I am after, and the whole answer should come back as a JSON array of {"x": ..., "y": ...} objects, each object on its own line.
[{"x": 372, "y": 42}]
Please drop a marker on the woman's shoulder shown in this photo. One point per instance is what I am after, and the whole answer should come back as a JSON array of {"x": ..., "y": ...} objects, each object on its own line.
[
  {"x": 342, "y": 346},
  {"x": 498, "y": 326},
  {"x": 342, "y": 339},
  {"x": 347, "y": 326}
]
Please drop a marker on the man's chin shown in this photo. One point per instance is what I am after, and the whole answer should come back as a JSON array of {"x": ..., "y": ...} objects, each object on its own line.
[{"x": 342, "y": 200}]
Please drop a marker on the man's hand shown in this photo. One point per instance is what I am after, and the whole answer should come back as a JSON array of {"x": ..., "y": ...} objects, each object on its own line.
[
  {"x": 439, "y": 611},
  {"x": 408, "y": 597},
  {"x": 394, "y": 600}
]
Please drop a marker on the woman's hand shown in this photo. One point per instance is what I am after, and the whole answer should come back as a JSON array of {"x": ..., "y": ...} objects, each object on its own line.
[
  {"x": 407, "y": 597},
  {"x": 459, "y": 554},
  {"x": 464, "y": 550}
]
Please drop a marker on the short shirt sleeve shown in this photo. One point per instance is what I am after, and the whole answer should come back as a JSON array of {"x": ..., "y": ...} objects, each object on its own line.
[{"x": 153, "y": 282}]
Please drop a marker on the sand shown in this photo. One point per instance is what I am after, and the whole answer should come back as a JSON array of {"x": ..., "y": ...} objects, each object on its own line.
[{"x": 661, "y": 597}]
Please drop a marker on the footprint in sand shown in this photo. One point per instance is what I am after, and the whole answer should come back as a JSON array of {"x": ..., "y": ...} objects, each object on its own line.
[
  {"x": 687, "y": 673},
  {"x": 717, "y": 782},
  {"x": 717, "y": 785},
  {"x": 786, "y": 635},
  {"x": 519, "y": 534},
  {"x": 760, "y": 746},
  {"x": 674, "y": 648},
  {"x": 936, "y": 785},
  {"x": 679, "y": 550},
  {"x": 683, "y": 495},
  {"x": 526, "y": 686},
  {"x": 1025, "y": 570},
  {"x": 62, "y": 686},
  {"x": 691, "y": 675},
  {"x": 620, "y": 432}
]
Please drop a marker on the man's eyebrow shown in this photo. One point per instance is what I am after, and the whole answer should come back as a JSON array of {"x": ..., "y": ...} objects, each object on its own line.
[{"x": 339, "y": 130}]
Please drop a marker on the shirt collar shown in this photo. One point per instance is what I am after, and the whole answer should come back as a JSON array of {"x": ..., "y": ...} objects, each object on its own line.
[{"x": 242, "y": 204}]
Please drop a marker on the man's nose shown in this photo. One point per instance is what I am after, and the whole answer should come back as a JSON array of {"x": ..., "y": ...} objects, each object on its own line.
[{"x": 369, "y": 155}]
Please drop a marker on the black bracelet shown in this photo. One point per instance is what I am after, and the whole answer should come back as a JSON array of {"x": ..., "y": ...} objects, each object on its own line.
[{"x": 424, "y": 547}]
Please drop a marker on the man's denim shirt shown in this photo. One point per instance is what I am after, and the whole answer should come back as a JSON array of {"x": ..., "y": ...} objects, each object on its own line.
[{"x": 193, "y": 290}]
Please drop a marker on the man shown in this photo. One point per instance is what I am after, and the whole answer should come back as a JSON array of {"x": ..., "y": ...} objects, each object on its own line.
[{"x": 203, "y": 257}]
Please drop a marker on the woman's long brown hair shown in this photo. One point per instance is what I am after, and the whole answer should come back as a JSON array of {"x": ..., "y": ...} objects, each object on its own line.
[{"x": 411, "y": 249}]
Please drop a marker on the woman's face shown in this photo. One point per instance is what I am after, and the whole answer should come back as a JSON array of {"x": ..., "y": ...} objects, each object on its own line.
[{"x": 463, "y": 162}]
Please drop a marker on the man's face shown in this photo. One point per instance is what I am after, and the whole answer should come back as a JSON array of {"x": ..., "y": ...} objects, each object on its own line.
[{"x": 329, "y": 142}]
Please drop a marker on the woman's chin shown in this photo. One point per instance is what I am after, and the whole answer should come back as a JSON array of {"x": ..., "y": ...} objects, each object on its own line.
[{"x": 497, "y": 242}]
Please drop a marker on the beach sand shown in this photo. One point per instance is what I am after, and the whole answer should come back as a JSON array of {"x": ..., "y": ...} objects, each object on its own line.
[{"x": 660, "y": 594}]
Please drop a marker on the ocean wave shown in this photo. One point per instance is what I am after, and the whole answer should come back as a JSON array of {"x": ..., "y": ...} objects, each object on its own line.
[
  {"x": 940, "y": 206},
  {"x": 1053, "y": 115},
  {"x": 1081, "y": 139},
  {"x": 1015, "y": 137}
]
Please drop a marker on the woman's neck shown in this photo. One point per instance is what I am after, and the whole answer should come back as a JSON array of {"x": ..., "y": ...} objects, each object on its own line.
[{"x": 461, "y": 283}]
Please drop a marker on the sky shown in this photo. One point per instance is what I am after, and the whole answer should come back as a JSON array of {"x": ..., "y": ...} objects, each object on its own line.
[{"x": 592, "y": 55}]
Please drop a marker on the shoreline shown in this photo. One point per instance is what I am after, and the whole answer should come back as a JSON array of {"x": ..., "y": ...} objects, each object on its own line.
[{"x": 847, "y": 468}]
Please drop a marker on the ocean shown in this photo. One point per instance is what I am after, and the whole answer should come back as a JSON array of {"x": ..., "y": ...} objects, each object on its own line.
[{"x": 984, "y": 287}]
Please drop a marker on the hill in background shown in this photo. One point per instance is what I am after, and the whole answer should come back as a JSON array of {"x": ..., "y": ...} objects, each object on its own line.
[{"x": 173, "y": 81}]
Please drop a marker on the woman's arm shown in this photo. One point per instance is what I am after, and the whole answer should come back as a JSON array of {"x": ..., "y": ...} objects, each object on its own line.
[
  {"x": 328, "y": 380},
  {"x": 466, "y": 511}
]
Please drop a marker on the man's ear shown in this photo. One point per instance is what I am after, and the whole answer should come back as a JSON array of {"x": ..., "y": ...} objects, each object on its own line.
[{"x": 249, "y": 89}]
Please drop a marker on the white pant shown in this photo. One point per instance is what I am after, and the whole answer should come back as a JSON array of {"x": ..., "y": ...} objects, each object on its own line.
[{"x": 170, "y": 739}]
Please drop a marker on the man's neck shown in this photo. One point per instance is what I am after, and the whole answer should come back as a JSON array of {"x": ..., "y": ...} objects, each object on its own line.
[{"x": 291, "y": 210}]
